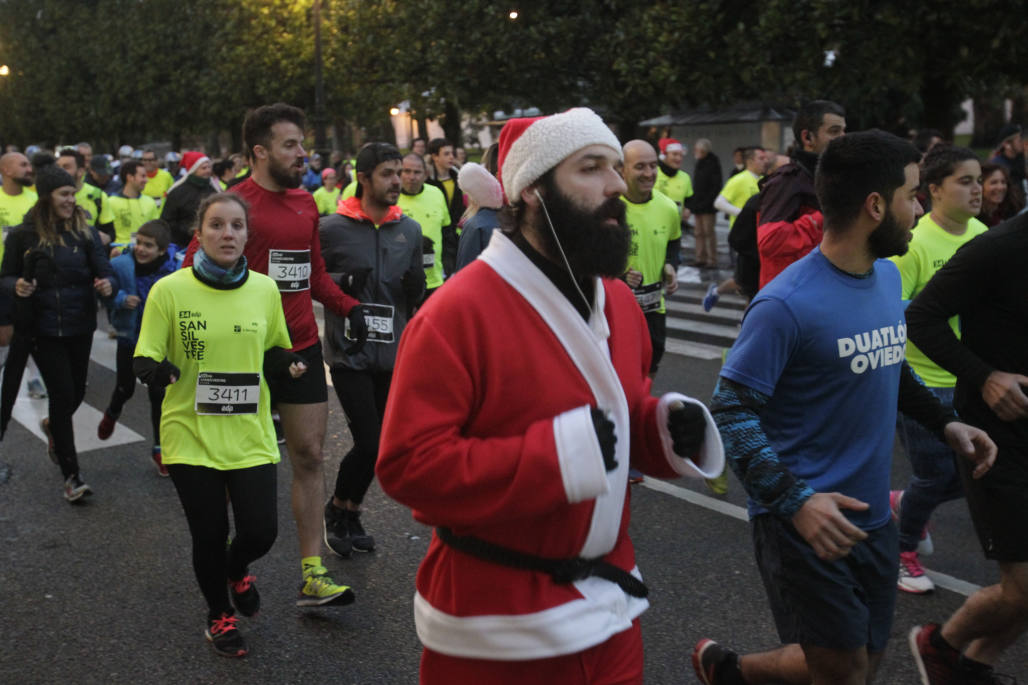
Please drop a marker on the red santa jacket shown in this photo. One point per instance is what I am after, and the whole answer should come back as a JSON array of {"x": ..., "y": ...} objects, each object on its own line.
[{"x": 488, "y": 432}]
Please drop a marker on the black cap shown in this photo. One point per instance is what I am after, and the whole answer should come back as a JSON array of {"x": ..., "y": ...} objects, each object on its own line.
[
  {"x": 1009, "y": 130},
  {"x": 50, "y": 178},
  {"x": 101, "y": 165}
]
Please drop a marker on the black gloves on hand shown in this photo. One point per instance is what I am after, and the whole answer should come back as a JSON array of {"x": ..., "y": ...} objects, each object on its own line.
[
  {"x": 353, "y": 282},
  {"x": 687, "y": 426},
  {"x": 164, "y": 373},
  {"x": 605, "y": 434},
  {"x": 358, "y": 329},
  {"x": 427, "y": 245}
]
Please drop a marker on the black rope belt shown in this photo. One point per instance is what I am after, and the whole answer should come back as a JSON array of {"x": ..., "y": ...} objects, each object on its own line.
[{"x": 561, "y": 570}]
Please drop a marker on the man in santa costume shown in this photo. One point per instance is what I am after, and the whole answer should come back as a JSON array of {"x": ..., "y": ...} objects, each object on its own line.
[{"x": 520, "y": 399}]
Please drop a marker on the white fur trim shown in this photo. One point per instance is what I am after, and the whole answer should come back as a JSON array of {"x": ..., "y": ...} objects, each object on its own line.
[
  {"x": 604, "y": 610},
  {"x": 197, "y": 163},
  {"x": 581, "y": 459},
  {"x": 673, "y": 147},
  {"x": 480, "y": 185},
  {"x": 586, "y": 345},
  {"x": 711, "y": 460},
  {"x": 548, "y": 142}
]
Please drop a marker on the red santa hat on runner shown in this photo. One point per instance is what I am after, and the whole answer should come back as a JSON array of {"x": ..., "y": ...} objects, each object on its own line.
[
  {"x": 529, "y": 147},
  {"x": 192, "y": 160},
  {"x": 669, "y": 145}
]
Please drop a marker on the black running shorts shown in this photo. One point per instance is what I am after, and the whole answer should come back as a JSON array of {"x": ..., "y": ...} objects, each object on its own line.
[
  {"x": 310, "y": 388},
  {"x": 844, "y": 604},
  {"x": 999, "y": 505}
]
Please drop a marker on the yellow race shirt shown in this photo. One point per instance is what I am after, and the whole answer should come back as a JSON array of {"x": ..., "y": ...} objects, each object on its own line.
[
  {"x": 677, "y": 187},
  {"x": 96, "y": 203},
  {"x": 930, "y": 249},
  {"x": 740, "y": 188},
  {"x": 130, "y": 213},
  {"x": 349, "y": 191},
  {"x": 653, "y": 225},
  {"x": 429, "y": 209},
  {"x": 218, "y": 414},
  {"x": 12, "y": 210},
  {"x": 326, "y": 200},
  {"x": 157, "y": 186}
]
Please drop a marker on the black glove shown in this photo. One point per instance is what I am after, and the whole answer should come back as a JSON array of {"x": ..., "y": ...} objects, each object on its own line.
[
  {"x": 40, "y": 267},
  {"x": 687, "y": 425},
  {"x": 353, "y": 282},
  {"x": 427, "y": 245},
  {"x": 358, "y": 330},
  {"x": 605, "y": 434}
]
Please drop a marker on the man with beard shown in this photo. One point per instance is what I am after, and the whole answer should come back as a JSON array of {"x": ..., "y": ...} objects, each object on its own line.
[
  {"x": 16, "y": 199},
  {"x": 283, "y": 243},
  {"x": 427, "y": 205},
  {"x": 806, "y": 405},
  {"x": 790, "y": 217},
  {"x": 185, "y": 196},
  {"x": 520, "y": 400},
  {"x": 378, "y": 252},
  {"x": 653, "y": 220}
]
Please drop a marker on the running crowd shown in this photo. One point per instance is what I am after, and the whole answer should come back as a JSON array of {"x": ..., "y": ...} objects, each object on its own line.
[{"x": 557, "y": 251}]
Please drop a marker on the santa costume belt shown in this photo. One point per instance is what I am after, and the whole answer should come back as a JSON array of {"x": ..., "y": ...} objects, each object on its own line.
[{"x": 562, "y": 571}]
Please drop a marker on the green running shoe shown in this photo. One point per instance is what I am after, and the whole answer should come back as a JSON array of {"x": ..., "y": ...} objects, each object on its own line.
[{"x": 318, "y": 589}]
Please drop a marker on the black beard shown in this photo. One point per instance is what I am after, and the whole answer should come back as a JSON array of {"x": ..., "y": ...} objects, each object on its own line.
[
  {"x": 889, "y": 239},
  {"x": 593, "y": 247},
  {"x": 25, "y": 181},
  {"x": 283, "y": 175}
]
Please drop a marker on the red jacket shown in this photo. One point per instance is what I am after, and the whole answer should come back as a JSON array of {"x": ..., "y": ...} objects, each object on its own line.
[
  {"x": 488, "y": 432},
  {"x": 789, "y": 224}
]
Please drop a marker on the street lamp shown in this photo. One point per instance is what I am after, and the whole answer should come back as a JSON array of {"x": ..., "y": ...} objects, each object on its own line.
[
  {"x": 513, "y": 15},
  {"x": 4, "y": 70}
]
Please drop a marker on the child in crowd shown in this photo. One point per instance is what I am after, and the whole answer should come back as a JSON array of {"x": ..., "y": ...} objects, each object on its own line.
[{"x": 136, "y": 270}]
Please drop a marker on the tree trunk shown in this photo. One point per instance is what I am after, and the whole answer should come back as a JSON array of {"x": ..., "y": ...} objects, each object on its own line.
[
  {"x": 452, "y": 124},
  {"x": 941, "y": 106}
]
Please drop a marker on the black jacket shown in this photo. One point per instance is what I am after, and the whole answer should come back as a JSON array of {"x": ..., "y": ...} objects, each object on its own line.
[
  {"x": 64, "y": 302},
  {"x": 456, "y": 206},
  {"x": 179, "y": 208},
  {"x": 706, "y": 184}
]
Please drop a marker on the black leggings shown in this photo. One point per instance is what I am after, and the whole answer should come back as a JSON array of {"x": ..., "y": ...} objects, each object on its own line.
[
  {"x": 252, "y": 492},
  {"x": 64, "y": 362},
  {"x": 126, "y": 386},
  {"x": 363, "y": 396}
]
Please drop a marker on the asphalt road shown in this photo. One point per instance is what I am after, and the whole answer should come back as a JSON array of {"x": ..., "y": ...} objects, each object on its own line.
[{"x": 104, "y": 592}]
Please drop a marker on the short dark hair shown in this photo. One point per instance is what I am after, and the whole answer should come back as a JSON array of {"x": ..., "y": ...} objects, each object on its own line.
[
  {"x": 751, "y": 152},
  {"x": 128, "y": 168},
  {"x": 221, "y": 166},
  {"x": 414, "y": 155},
  {"x": 158, "y": 231},
  {"x": 854, "y": 166},
  {"x": 149, "y": 150},
  {"x": 80, "y": 159},
  {"x": 258, "y": 123},
  {"x": 810, "y": 116},
  {"x": 940, "y": 162},
  {"x": 437, "y": 144}
]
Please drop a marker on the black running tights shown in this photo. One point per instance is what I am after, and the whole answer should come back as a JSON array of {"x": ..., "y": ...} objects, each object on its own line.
[
  {"x": 63, "y": 363},
  {"x": 125, "y": 386},
  {"x": 252, "y": 493},
  {"x": 363, "y": 396}
]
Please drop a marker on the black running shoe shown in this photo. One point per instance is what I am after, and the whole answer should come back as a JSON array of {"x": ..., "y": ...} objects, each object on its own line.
[
  {"x": 716, "y": 665},
  {"x": 245, "y": 597},
  {"x": 337, "y": 532},
  {"x": 224, "y": 637},
  {"x": 359, "y": 539}
]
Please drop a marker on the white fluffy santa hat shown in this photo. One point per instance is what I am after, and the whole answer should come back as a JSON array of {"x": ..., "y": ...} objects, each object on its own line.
[{"x": 529, "y": 147}]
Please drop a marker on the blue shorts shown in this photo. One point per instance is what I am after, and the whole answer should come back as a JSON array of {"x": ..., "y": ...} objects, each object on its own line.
[{"x": 845, "y": 604}]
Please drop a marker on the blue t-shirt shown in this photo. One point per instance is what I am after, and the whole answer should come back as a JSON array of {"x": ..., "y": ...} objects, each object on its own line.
[{"x": 827, "y": 348}]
